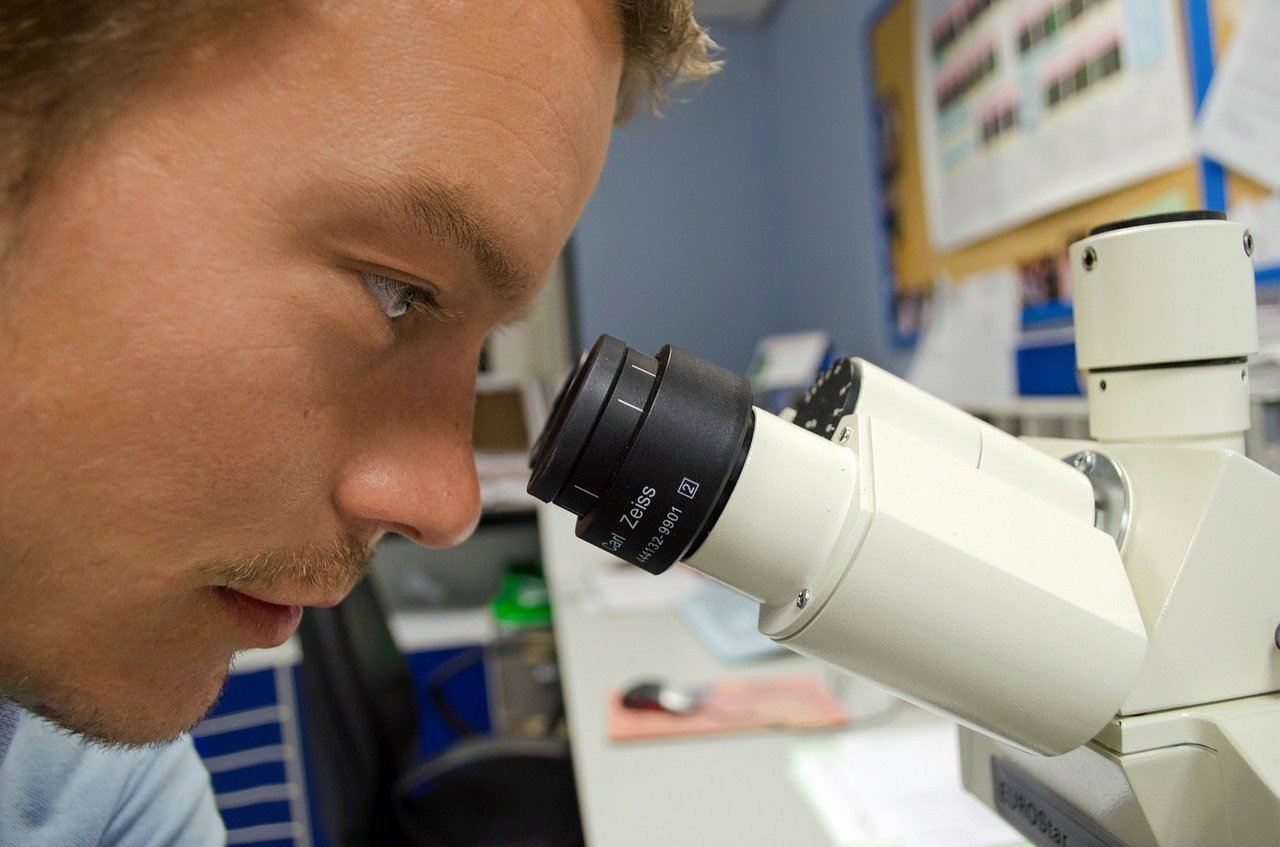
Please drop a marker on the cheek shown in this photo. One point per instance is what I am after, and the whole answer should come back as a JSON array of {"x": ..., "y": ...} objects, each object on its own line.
[
  {"x": 248, "y": 424},
  {"x": 192, "y": 423}
]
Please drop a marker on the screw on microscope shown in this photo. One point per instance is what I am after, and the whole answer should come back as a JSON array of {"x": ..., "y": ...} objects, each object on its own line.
[
  {"x": 1248, "y": 243},
  {"x": 1083, "y": 462},
  {"x": 803, "y": 599},
  {"x": 845, "y": 435},
  {"x": 1090, "y": 258}
]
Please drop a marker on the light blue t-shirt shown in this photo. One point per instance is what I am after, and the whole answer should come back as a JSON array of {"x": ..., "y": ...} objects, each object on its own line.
[{"x": 58, "y": 789}]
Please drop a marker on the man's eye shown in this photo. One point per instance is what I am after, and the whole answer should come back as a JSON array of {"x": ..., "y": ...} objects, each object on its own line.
[{"x": 396, "y": 298}]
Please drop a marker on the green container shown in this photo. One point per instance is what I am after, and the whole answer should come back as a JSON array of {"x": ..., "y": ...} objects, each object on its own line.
[{"x": 522, "y": 600}]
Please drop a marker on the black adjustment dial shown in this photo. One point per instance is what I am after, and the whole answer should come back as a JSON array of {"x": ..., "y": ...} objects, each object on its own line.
[{"x": 832, "y": 396}]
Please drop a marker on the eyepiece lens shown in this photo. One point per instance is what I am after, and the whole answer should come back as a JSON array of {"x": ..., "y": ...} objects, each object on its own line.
[
  {"x": 644, "y": 450},
  {"x": 577, "y": 407}
]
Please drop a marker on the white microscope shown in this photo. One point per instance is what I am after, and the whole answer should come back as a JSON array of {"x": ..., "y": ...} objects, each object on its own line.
[{"x": 1100, "y": 617}]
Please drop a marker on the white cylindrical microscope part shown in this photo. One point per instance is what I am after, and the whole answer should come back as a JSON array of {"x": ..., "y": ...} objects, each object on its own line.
[
  {"x": 968, "y": 597},
  {"x": 1163, "y": 293},
  {"x": 791, "y": 500},
  {"x": 1205, "y": 406},
  {"x": 883, "y": 396},
  {"x": 1165, "y": 315}
]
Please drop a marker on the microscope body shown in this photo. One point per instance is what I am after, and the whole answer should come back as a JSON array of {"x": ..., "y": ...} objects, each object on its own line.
[
  {"x": 1100, "y": 617},
  {"x": 1164, "y": 316},
  {"x": 1192, "y": 759},
  {"x": 1167, "y": 740}
]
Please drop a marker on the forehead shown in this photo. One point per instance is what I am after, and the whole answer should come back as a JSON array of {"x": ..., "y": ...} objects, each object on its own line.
[{"x": 510, "y": 103}]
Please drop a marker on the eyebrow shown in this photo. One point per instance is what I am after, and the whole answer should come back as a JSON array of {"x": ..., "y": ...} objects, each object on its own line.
[{"x": 434, "y": 208}]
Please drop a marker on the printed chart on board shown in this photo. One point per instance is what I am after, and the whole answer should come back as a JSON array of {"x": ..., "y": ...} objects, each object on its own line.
[{"x": 1028, "y": 106}]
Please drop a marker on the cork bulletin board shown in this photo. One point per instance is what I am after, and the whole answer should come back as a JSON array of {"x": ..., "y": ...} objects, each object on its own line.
[{"x": 1037, "y": 248}]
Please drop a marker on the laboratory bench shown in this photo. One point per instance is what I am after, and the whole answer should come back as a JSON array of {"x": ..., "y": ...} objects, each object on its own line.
[{"x": 723, "y": 789}]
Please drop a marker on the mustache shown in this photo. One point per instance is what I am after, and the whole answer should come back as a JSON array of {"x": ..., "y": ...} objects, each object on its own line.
[{"x": 330, "y": 567}]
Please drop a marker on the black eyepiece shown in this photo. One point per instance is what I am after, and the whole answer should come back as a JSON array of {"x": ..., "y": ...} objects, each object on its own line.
[
  {"x": 1163, "y": 218},
  {"x": 644, "y": 450}
]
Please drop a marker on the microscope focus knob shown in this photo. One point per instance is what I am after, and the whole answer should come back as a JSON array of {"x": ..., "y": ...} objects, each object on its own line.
[{"x": 831, "y": 397}]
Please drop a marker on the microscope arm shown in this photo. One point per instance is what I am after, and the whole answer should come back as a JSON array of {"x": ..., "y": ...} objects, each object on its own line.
[{"x": 935, "y": 576}]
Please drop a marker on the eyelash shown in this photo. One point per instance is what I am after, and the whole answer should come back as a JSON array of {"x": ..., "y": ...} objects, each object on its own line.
[{"x": 397, "y": 298}]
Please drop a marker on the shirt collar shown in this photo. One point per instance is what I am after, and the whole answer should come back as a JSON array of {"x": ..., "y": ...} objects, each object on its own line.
[{"x": 9, "y": 713}]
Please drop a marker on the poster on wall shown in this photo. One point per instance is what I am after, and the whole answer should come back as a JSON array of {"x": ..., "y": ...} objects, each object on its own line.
[{"x": 1029, "y": 106}]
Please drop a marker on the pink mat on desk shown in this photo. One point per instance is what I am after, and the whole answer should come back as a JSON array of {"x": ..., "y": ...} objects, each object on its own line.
[{"x": 736, "y": 705}]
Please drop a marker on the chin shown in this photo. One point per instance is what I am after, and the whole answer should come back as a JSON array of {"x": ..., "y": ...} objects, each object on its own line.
[{"x": 135, "y": 721}]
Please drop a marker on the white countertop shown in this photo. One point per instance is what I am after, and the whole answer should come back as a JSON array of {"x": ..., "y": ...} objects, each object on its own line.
[{"x": 730, "y": 790}]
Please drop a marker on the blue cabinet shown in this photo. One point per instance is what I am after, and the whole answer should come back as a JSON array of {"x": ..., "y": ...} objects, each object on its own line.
[{"x": 252, "y": 744}]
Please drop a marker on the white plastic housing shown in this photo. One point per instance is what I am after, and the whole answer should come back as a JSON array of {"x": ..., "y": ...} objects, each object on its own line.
[
  {"x": 796, "y": 533},
  {"x": 1161, "y": 293},
  {"x": 1165, "y": 316},
  {"x": 883, "y": 396},
  {"x": 941, "y": 582},
  {"x": 1206, "y": 404}
]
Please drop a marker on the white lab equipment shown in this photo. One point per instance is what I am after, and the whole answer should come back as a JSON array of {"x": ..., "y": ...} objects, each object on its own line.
[{"x": 1100, "y": 617}]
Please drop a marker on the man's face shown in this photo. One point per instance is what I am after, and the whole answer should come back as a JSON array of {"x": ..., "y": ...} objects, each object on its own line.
[{"x": 210, "y": 403}]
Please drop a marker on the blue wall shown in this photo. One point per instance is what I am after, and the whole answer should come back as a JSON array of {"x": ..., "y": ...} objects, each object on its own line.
[
  {"x": 823, "y": 155},
  {"x": 748, "y": 209},
  {"x": 680, "y": 243}
]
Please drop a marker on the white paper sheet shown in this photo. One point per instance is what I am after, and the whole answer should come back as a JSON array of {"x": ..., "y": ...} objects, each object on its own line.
[
  {"x": 630, "y": 589},
  {"x": 1264, "y": 366},
  {"x": 1086, "y": 96},
  {"x": 966, "y": 356},
  {"x": 1240, "y": 121},
  {"x": 897, "y": 787},
  {"x": 790, "y": 360}
]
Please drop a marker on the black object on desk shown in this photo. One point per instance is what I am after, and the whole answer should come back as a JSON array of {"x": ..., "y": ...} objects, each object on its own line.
[{"x": 360, "y": 733}]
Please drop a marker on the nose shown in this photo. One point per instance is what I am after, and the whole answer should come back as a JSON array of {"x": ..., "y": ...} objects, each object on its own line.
[{"x": 413, "y": 472}]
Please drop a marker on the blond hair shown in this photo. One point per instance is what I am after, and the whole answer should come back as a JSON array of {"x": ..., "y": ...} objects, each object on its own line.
[
  {"x": 67, "y": 65},
  {"x": 663, "y": 48}
]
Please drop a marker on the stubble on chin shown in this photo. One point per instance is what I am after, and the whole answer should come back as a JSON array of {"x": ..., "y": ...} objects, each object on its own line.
[{"x": 139, "y": 723}]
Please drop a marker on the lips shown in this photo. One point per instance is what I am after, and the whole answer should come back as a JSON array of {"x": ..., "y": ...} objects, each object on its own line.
[
  {"x": 292, "y": 595},
  {"x": 267, "y": 624}
]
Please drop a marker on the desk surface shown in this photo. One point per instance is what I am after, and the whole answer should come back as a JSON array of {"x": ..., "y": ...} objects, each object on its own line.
[{"x": 704, "y": 791}]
